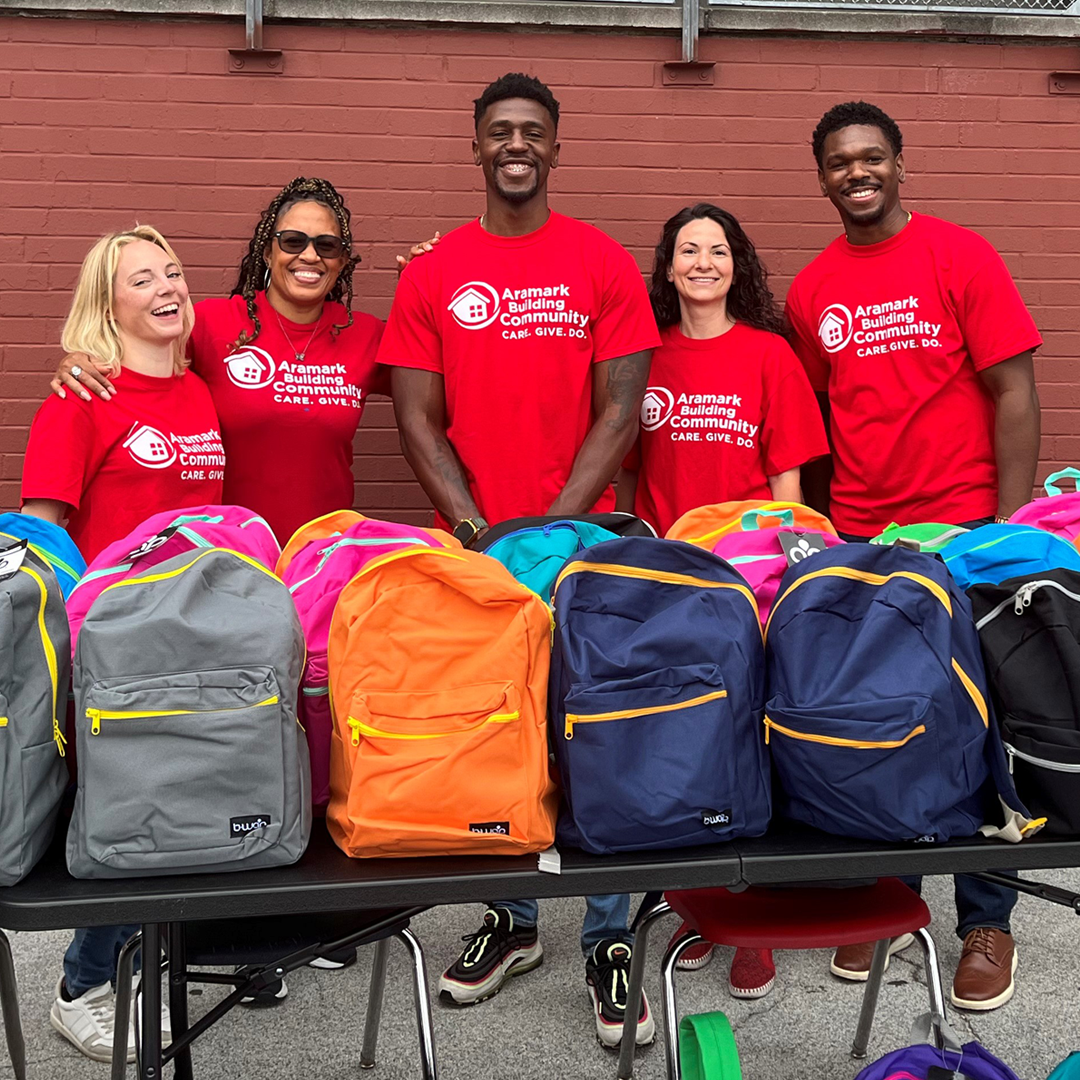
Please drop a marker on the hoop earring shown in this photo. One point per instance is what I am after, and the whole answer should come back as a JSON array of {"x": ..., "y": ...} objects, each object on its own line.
[{"x": 266, "y": 278}]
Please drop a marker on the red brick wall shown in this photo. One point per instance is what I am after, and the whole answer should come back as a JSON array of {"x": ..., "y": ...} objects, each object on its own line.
[{"x": 105, "y": 122}]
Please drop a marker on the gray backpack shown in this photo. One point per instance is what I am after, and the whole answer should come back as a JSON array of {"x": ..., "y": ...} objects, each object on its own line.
[
  {"x": 35, "y": 667},
  {"x": 190, "y": 754}
]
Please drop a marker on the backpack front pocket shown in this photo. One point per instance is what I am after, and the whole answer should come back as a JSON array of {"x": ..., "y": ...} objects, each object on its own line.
[
  {"x": 1045, "y": 764},
  {"x": 842, "y": 766},
  {"x": 651, "y": 758},
  {"x": 441, "y": 767},
  {"x": 182, "y": 770}
]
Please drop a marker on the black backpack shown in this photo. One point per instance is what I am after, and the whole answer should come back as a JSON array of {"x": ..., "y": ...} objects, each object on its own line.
[{"x": 1030, "y": 632}]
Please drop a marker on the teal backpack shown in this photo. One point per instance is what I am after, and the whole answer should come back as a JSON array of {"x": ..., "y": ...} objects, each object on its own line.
[
  {"x": 49, "y": 543},
  {"x": 535, "y": 554},
  {"x": 707, "y": 1048},
  {"x": 1069, "y": 1069}
]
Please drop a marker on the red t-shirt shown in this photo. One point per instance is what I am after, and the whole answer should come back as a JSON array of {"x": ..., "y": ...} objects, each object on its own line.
[
  {"x": 722, "y": 415},
  {"x": 897, "y": 333},
  {"x": 514, "y": 324},
  {"x": 155, "y": 447},
  {"x": 288, "y": 424}
]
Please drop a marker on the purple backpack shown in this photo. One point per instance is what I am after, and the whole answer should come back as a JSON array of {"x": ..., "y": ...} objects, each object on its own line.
[
  {"x": 315, "y": 575},
  {"x": 971, "y": 1062}
]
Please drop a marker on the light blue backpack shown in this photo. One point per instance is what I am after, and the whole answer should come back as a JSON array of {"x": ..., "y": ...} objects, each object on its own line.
[
  {"x": 995, "y": 553},
  {"x": 1069, "y": 1069},
  {"x": 535, "y": 554},
  {"x": 48, "y": 542}
]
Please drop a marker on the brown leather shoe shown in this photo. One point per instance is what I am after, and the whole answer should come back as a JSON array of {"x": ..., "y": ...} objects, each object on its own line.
[
  {"x": 853, "y": 961},
  {"x": 984, "y": 977}
]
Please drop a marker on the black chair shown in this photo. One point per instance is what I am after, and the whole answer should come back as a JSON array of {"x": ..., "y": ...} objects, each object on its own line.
[
  {"x": 271, "y": 946},
  {"x": 9, "y": 1003}
]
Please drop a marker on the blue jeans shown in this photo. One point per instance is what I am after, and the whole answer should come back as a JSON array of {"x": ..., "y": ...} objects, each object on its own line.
[
  {"x": 91, "y": 957},
  {"x": 978, "y": 903},
  {"x": 605, "y": 917}
]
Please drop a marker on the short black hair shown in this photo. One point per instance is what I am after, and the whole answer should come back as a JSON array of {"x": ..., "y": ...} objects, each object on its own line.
[
  {"x": 516, "y": 85},
  {"x": 856, "y": 112}
]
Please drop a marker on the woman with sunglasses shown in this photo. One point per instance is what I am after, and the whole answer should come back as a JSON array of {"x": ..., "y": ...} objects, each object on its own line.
[{"x": 288, "y": 363}]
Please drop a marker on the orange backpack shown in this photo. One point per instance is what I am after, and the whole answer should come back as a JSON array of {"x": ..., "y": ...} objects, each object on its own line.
[
  {"x": 705, "y": 525},
  {"x": 438, "y": 682}
]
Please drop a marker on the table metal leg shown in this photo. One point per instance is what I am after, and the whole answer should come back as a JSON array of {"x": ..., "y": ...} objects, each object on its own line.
[
  {"x": 9, "y": 1001},
  {"x": 423, "y": 1005},
  {"x": 671, "y": 1006},
  {"x": 933, "y": 983},
  {"x": 642, "y": 923},
  {"x": 125, "y": 968},
  {"x": 374, "y": 1004},
  {"x": 870, "y": 998},
  {"x": 178, "y": 998},
  {"x": 150, "y": 1064}
]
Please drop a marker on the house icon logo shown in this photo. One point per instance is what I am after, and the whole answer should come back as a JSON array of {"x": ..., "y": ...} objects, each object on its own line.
[
  {"x": 149, "y": 447},
  {"x": 835, "y": 327},
  {"x": 474, "y": 306},
  {"x": 656, "y": 407},
  {"x": 250, "y": 368}
]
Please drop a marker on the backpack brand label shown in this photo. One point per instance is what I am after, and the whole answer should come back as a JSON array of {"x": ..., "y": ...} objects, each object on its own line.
[
  {"x": 501, "y": 827},
  {"x": 241, "y": 826},
  {"x": 800, "y": 545},
  {"x": 12, "y": 558},
  {"x": 715, "y": 818},
  {"x": 150, "y": 544}
]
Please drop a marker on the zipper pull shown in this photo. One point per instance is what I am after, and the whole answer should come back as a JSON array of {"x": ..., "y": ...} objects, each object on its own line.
[
  {"x": 1023, "y": 598},
  {"x": 58, "y": 736},
  {"x": 94, "y": 716},
  {"x": 767, "y": 730},
  {"x": 1011, "y": 754},
  {"x": 355, "y": 725},
  {"x": 568, "y": 729}
]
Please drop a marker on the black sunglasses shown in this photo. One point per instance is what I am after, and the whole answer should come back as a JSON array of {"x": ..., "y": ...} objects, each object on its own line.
[{"x": 292, "y": 242}]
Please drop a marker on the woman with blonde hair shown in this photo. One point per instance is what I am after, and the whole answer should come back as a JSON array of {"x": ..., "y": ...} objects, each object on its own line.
[{"x": 107, "y": 466}]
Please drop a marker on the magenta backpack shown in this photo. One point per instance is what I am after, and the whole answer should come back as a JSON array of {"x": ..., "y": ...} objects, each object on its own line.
[
  {"x": 759, "y": 556},
  {"x": 315, "y": 576},
  {"x": 1059, "y": 512},
  {"x": 164, "y": 535}
]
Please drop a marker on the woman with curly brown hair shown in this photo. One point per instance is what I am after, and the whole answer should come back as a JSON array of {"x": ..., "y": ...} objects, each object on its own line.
[
  {"x": 289, "y": 363},
  {"x": 729, "y": 413}
]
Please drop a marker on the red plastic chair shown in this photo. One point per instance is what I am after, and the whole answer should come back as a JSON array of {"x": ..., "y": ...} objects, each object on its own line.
[{"x": 769, "y": 918}]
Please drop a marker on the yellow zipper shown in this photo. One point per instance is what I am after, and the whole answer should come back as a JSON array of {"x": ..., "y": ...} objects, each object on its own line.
[
  {"x": 50, "y": 655},
  {"x": 774, "y": 509},
  {"x": 173, "y": 573},
  {"x": 629, "y": 714},
  {"x": 615, "y": 570},
  {"x": 95, "y": 716},
  {"x": 973, "y": 692},
  {"x": 3, "y": 721},
  {"x": 829, "y": 740},
  {"x": 360, "y": 728}
]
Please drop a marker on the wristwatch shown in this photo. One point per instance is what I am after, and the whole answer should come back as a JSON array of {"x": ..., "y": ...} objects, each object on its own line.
[
  {"x": 468, "y": 529},
  {"x": 1000, "y": 519}
]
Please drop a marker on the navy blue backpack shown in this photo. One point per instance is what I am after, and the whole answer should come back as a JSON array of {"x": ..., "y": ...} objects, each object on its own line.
[
  {"x": 878, "y": 718},
  {"x": 656, "y": 696}
]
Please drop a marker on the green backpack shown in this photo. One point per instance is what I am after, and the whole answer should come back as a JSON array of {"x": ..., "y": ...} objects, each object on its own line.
[
  {"x": 930, "y": 536},
  {"x": 1069, "y": 1069},
  {"x": 707, "y": 1048}
]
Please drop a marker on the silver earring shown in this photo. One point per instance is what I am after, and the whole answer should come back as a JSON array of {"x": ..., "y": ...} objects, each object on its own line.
[{"x": 266, "y": 278}]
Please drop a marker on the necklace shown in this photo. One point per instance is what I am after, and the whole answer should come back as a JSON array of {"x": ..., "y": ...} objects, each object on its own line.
[{"x": 299, "y": 355}]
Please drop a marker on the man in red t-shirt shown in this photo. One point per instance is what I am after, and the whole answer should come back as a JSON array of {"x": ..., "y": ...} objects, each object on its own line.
[
  {"x": 520, "y": 352},
  {"x": 913, "y": 332}
]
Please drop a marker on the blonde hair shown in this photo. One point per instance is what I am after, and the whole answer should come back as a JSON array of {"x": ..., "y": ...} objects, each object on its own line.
[{"x": 91, "y": 326}]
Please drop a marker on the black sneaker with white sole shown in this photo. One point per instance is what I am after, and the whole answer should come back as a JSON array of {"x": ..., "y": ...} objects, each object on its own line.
[
  {"x": 607, "y": 974},
  {"x": 496, "y": 952},
  {"x": 336, "y": 960},
  {"x": 268, "y": 996}
]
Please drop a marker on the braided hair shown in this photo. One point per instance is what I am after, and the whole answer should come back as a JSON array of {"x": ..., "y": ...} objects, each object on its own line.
[{"x": 252, "y": 266}]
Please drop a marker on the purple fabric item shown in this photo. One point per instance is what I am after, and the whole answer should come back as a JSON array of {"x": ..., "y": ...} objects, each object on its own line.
[{"x": 914, "y": 1062}]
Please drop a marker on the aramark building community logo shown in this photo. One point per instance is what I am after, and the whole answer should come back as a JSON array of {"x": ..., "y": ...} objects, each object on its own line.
[
  {"x": 475, "y": 305},
  {"x": 150, "y": 447},
  {"x": 656, "y": 407},
  {"x": 250, "y": 368},
  {"x": 835, "y": 327}
]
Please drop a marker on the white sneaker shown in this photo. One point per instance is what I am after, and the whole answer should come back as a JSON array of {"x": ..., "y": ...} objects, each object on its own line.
[
  {"x": 166, "y": 1016},
  {"x": 88, "y": 1021}
]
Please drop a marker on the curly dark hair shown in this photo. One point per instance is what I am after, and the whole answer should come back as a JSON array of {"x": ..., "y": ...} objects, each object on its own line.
[
  {"x": 253, "y": 265},
  {"x": 516, "y": 85},
  {"x": 750, "y": 299},
  {"x": 855, "y": 112}
]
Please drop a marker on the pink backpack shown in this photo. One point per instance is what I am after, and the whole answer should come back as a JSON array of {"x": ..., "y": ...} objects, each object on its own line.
[
  {"x": 1059, "y": 512},
  {"x": 315, "y": 575},
  {"x": 164, "y": 535},
  {"x": 759, "y": 556}
]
